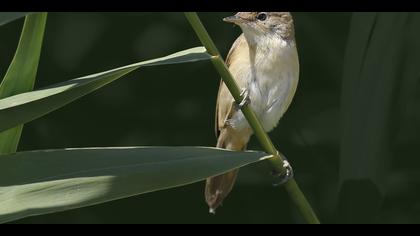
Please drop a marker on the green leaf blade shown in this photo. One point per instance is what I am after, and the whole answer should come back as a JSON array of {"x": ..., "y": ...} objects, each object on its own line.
[
  {"x": 26, "y": 107},
  {"x": 40, "y": 182}
]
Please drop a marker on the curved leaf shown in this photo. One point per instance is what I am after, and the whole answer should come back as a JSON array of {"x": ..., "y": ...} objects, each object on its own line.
[
  {"x": 6, "y": 17},
  {"x": 26, "y": 107},
  {"x": 40, "y": 182}
]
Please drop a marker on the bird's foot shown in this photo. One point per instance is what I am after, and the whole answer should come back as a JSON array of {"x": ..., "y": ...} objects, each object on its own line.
[
  {"x": 245, "y": 99},
  {"x": 284, "y": 178}
]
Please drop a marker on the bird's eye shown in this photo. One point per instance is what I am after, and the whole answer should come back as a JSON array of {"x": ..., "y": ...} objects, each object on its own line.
[{"x": 262, "y": 16}]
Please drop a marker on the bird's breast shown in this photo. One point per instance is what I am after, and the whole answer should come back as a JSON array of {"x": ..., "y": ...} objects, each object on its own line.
[
  {"x": 272, "y": 81},
  {"x": 270, "y": 96}
]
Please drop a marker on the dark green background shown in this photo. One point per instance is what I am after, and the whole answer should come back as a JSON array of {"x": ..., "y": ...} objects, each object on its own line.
[{"x": 174, "y": 105}]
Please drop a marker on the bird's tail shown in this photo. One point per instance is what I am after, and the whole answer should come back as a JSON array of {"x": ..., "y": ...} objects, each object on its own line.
[{"x": 218, "y": 187}]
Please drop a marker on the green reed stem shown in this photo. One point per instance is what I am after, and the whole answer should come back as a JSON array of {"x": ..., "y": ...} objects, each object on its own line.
[{"x": 277, "y": 160}]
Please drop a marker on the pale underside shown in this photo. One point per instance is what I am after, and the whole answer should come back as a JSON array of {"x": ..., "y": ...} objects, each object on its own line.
[{"x": 271, "y": 79}]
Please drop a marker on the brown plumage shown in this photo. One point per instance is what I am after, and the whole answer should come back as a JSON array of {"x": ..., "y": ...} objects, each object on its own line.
[{"x": 264, "y": 61}]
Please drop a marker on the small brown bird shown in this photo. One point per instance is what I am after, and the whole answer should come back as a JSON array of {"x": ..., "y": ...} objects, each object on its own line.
[{"x": 264, "y": 62}]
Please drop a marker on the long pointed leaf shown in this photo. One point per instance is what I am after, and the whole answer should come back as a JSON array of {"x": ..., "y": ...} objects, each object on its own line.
[
  {"x": 20, "y": 76},
  {"x": 26, "y": 107},
  {"x": 40, "y": 182}
]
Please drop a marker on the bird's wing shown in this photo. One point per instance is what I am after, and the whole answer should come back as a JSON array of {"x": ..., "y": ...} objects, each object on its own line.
[{"x": 224, "y": 110}]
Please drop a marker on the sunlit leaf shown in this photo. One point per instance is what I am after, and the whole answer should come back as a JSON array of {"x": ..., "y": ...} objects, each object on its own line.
[{"x": 40, "y": 182}]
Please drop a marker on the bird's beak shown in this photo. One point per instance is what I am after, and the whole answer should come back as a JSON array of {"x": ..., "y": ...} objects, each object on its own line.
[{"x": 236, "y": 19}]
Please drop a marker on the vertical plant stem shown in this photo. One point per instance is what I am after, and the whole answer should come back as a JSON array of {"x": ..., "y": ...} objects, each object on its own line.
[
  {"x": 21, "y": 74},
  {"x": 277, "y": 160}
]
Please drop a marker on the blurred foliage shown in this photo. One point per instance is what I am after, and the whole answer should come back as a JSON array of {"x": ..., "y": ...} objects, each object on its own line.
[
  {"x": 380, "y": 82},
  {"x": 181, "y": 113}
]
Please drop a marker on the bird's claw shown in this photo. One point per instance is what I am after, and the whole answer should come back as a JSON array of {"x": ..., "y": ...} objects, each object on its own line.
[
  {"x": 245, "y": 99},
  {"x": 284, "y": 178}
]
